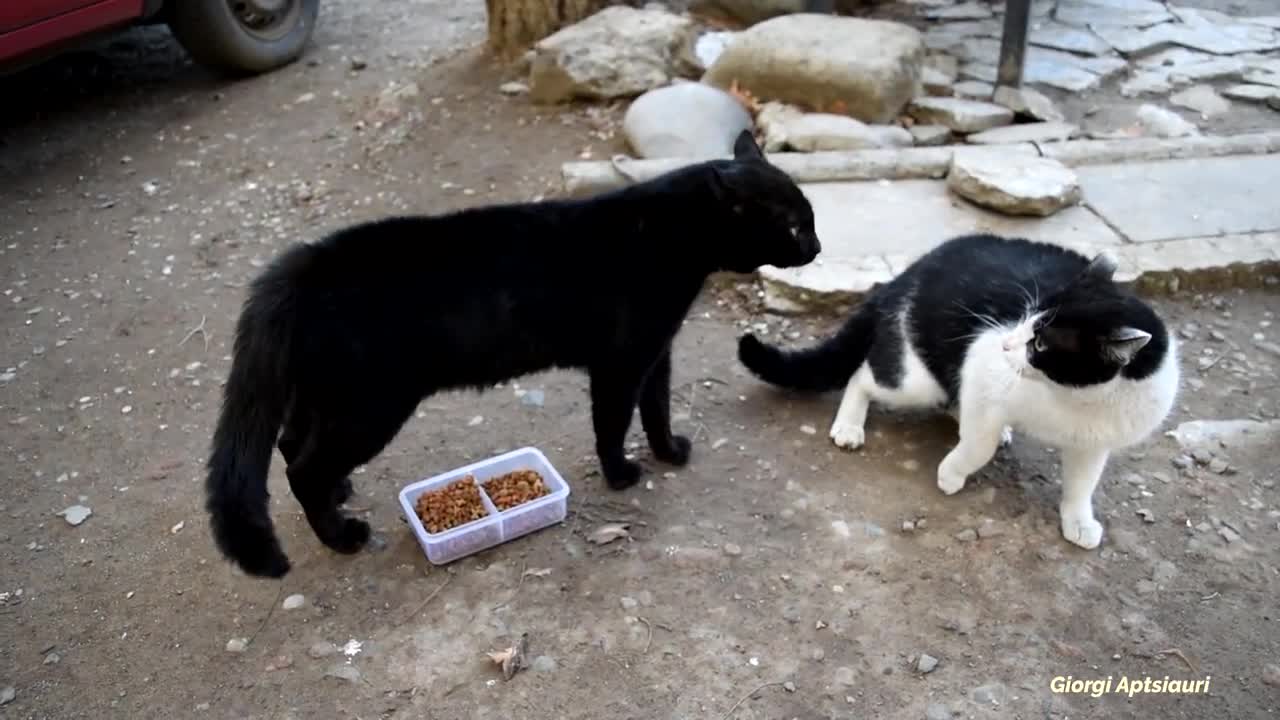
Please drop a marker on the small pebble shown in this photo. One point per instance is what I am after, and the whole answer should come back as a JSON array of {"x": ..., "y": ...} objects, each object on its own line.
[
  {"x": 1231, "y": 536},
  {"x": 1219, "y": 466},
  {"x": 237, "y": 645},
  {"x": 544, "y": 664},
  {"x": 1146, "y": 515},
  {"x": 967, "y": 535},
  {"x": 52, "y": 658},
  {"x": 76, "y": 514},
  {"x": 989, "y": 529},
  {"x": 789, "y": 686},
  {"x": 908, "y": 526},
  {"x": 359, "y": 63},
  {"x": 322, "y": 649},
  {"x": 732, "y": 550},
  {"x": 8, "y": 694},
  {"x": 808, "y": 429},
  {"x": 628, "y": 603},
  {"x": 293, "y": 602},
  {"x": 937, "y": 711},
  {"x": 344, "y": 672},
  {"x": 926, "y": 663}
]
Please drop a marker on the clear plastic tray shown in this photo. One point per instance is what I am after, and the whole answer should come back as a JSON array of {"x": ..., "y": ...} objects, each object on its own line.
[{"x": 496, "y": 527}]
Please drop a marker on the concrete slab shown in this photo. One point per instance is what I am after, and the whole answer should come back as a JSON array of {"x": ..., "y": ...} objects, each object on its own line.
[
  {"x": 871, "y": 230},
  {"x": 1173, "y": 199}
]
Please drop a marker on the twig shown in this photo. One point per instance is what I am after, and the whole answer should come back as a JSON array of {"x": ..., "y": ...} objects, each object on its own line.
[
  {"x": 649, "y": 639},
  {"x": 430, "y": 597},
  {"x": 274, "y": 603},
  {"x": 523, "y": 567},
  {"x": 1176, "y": 651},
  {"x": 744, "y": 698},
  {"x": 1207, "y": 598},
  {"x": 197, "y": 329}
]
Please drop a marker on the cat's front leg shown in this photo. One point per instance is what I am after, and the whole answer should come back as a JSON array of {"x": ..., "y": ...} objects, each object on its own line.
[
  {"x": 980, "y": 435},
  {"x": 613, "y": 402},
  {"x": 655, "y": 414},
  {"x": 1081, "y": 470},
  {"x": 848, "y": 430}
]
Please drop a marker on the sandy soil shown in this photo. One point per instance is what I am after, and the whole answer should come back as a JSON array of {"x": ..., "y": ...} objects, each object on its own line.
[{"x": 139, "y": 193}]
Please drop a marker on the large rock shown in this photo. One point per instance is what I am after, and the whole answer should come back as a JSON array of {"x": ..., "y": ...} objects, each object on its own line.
[
  {"x": 814, "y": 132},
  {"x": 706, "y": 122},
  {"x": 1013, "y": 184},
  {"x": 617, "y": 52},
  {"x": 1159, "y": 122},
  {"x": 1027, "y": 102},
  {"x": 867, "y": 69},
  {"x": 963, "y": 116}
]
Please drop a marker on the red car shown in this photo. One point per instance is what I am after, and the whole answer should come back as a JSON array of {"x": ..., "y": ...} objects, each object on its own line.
[{"x": 239, "y": 36}]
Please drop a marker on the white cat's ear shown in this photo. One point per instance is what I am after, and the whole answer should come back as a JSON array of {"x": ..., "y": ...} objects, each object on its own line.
[
  {"x": 1123, "y": 344},
  {"x": 745, "y": 147},
  {"x": 1102, "y": 267}
]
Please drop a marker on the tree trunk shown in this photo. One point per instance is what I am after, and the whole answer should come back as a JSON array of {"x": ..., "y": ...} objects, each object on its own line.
[{"x": 516, "y": 24}]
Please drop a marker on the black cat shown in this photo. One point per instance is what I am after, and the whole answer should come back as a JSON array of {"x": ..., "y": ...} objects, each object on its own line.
[{"x": 340, "y": 340}]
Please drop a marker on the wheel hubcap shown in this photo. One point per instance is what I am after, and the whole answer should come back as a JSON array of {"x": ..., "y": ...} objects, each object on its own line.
[{"x": 263, "y": 17}]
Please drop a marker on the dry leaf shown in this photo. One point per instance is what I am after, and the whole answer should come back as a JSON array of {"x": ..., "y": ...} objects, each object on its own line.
[
  {"x": 512, "y": 659},
  {"x": 537, "y": 572},
  {"x": 609, "y": 532}
]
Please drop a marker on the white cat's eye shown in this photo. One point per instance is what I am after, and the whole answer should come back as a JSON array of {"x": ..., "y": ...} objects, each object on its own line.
[{"x": 1038, "y": 345}]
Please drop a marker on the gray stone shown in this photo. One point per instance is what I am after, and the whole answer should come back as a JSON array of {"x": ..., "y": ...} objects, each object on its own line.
[
  {"x": 710, "y": 119},
  {"x": 618, "y": 52},
  {"x": 925, "y": 135},
  {"x": 1262, "y": 77},
  {"x": 293, "y": 602},
  {"x": 936, "y": 82},
  {"x": 1063, "y": 37},
  {"x": 965, "y": 116},
  {"x": 747, "y": 12},
  {"x": 514, "y": 87},
  {"x": 1146, "y": 83},
  {"x": 1028, "y": 102},
  {"x": 937, "y": 711},
  {"x": 1270, "y": 675},
  {"x": 813, "y": 132},
  {"x": 967, "y": 535},
  {"x": 1160, "y": 122},
  {"x": 732, "y": 549},
  {"x": 76, "y": 514},
  {"x": 1104, "y": 13},
  {"x": 1027, "y": 132},
  {"x": 973, "y": 90},
  {"x": 349, "y": 673},
  {"x": 963, "y": 11},
  {"x": 989, "y": 694},
  {"x": 628, "y": 603},
  {"x": 322, "y": 649},
  {"x": 1013, "y": 185},
  {"x": 867, "y": 69},
  {"x": 237, "y": 645},
  {"x": 926, "y": 663},
  {"x": 8, "y": 694},
  {"x": 1202, "y": 99},
  {"x": 1251, "y": 93},
  {"x": 544, "y": 664},
  {"x": 990, "y": 529},
  {"x": 1200, "y": 435},
  {"x": 1215, "y": 69}
]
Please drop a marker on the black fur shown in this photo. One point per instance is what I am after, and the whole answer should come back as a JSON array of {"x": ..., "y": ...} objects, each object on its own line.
[
  {"x": 952, "y": 292},
  {"x": 340, "y": 340}
]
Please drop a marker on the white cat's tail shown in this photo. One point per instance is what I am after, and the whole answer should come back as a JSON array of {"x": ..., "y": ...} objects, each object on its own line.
[{"x": 824, "y": 367}]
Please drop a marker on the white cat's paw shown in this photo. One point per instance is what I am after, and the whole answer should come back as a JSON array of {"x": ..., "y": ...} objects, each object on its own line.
[
  {"x": 849, "y": 437},
  {"x": 949, "y": 482},
  {"x": 1081, "y": 529},
  {"x": 1006, "y": 436}
]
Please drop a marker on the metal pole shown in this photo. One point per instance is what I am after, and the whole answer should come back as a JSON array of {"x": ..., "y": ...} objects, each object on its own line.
[{"x": 1013, "y": 43}]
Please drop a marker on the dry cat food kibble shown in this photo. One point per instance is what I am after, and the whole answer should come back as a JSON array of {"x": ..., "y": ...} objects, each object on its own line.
[
  {"x": 457, "y": 503},
  {"x": 515, "y": 488}
]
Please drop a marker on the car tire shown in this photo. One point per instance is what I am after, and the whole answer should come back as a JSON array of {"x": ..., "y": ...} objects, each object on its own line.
[{"x": 232, "y": 36}]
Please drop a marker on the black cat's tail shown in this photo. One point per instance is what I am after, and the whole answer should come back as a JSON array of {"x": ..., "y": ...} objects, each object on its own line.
[
  {"x": 253, "y": 407},
  {"x": 827, "y": 366}
]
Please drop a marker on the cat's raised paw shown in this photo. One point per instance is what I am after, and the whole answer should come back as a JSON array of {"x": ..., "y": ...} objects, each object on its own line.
[
  {"x": 849, "y": 437},
  {"x": 950, "y": 483},
  {"x": 1082, "y": 530},
  {"x": 677, "y": 453},
  {"x": 622, "y": 475}
]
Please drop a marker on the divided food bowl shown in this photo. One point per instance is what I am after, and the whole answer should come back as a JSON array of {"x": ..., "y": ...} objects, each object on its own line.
[{"x": 497, "y": 526}]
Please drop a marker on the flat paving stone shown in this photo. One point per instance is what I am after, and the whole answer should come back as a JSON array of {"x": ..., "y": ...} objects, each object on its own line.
[{"x": 1173, "y": 199}]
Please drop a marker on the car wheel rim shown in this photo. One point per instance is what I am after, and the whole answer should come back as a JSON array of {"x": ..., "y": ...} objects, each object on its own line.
[{"x": 266, "y": 19}]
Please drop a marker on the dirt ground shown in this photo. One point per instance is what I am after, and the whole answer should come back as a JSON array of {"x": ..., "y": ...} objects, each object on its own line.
[{"x": 139, "y": 193}]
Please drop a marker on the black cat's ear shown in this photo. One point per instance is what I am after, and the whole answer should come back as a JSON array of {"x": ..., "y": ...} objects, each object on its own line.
[
  {"x": 745, "y": 147},
  {"x": 1102, "y": 267},
  {"x": 1123, "y": 344}
]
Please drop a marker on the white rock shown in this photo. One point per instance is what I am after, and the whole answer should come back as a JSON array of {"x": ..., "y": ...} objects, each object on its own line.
[
  {"x": 514, "y": 87},
  {"x": 617, "y": 52},
  {"x": 973, "y": 90},
  {"x": 687, "y": 119},
  {"x": 867, "y": 69},
  {"x": 925, "y": 135},
  {"x": 772, "y": 120},
  {"x": 814, "y": 132},
  {"x": 237, "y": 645},
  {"x": 76, "y": 514},
  {"x": 1014, "y": 185},
  {"x": 1202, "y": 99},
  {"x": 1028, "y": 132},
  {"x": 293, "y": 602},
  {"x": 708, "y": 47},
  {"x": 1160, "y": 122},
  {"x": 936, "y": 82},
  {"x": 1028, "y": 102},
  {"x": 1251, "y": 93},
  {"x": 964, "y": 116}
]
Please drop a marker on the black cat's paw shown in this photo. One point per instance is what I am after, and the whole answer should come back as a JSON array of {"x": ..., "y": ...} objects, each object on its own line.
[
  {"x": 751, "y": 352},
  {"x": 622, "y": 475},
  {"x": 352, "y": 537},
  {"x": 677, "y": 453}
]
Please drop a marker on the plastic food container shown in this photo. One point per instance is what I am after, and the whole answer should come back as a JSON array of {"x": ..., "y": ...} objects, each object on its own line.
[{"x": 497, "y": 527}]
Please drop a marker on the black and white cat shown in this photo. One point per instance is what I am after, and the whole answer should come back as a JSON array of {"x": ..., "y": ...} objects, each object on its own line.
[
  {"x": 340, "y": 340},
  {"x": 1003, "y": 333}
]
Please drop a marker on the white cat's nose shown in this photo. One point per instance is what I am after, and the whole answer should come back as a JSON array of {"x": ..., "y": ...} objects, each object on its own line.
[{"x": 1010, "y": 343}]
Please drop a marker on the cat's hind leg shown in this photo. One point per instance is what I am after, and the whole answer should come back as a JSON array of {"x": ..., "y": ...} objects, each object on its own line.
[
  {"x": 1081, "y": 470},
  {"x": 292, "y": 437},
  {"x": 614, "y": 391},
  {"x": 980, "y": 435},
  {"x": 655, "y": 414},
  {"x": 848, "y": 430}
]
